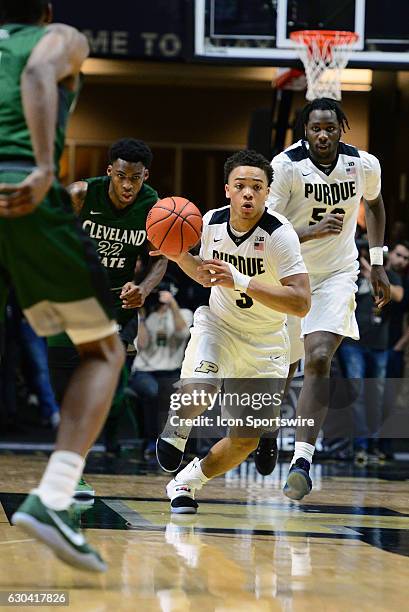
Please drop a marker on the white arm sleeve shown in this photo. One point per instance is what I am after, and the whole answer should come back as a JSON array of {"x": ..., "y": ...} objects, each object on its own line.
[
  {"x": 281, "y": 186},
  {"x": 285, "y": 252},
  {"x": 372, "y": 175}
]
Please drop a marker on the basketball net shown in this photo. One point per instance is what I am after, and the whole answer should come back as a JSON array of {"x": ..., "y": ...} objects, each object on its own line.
[{"x": 324, "y": 53}]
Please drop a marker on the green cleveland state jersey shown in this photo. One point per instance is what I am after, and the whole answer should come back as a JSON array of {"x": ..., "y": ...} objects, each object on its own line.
[
  {"x": 120, "y": 239},
  {"x": 119, "y": 235},
  {"x": 17, "y": 42}
]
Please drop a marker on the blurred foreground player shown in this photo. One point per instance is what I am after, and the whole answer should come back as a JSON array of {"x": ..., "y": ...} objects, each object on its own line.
[
  {"x": 318, "y": 185},
  {"x": 58, "y": 280},
  {"x": 251, "y": 259}
]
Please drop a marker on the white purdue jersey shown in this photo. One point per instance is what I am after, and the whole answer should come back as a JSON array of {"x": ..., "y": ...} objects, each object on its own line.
[
  {"x": 269, "y": 251},
  {"x": 304, "y": 192}
]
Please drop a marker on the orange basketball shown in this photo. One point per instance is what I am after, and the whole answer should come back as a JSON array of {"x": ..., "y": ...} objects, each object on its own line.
[{"x": 174, "y": 225}]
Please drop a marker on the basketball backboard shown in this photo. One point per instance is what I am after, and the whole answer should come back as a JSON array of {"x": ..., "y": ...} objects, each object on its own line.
[{"x": 258, "y": 31}]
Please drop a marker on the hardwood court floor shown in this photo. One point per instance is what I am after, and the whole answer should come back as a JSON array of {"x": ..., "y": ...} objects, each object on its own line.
[{"x": 346, "y": 548}]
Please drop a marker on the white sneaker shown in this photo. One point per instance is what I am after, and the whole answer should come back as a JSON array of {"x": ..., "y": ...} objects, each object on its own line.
[{"x": 181, "y": 490}]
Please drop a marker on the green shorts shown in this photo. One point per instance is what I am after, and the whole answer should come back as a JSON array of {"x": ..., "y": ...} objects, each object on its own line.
[{"x": 53, "y": 267}]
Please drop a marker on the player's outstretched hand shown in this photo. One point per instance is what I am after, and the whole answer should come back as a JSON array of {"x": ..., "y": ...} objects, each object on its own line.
[
  {"x": 23, "y": 198},
  {"x": 330, "y": 225},
  {"x": 214, "y": 272},
  {"x": 132, "y": 296},
  {"x": 381, "y": 286}
]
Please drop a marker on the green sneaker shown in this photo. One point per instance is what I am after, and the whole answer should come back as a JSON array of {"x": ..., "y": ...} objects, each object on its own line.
[
  {"x": 58, "y": 531},
  {"x": 83, "y": 489}
]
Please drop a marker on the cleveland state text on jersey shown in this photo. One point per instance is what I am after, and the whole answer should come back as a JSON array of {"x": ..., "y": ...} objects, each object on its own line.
[{"x": 112, "y": 240}]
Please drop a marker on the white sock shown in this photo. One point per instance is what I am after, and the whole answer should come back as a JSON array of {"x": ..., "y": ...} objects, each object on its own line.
[
  {"x": 59, "y": 480},
  {"x": 193, "y": 471},
  {"x": 198, "y": 467},
  {"x": 304, "y": 450},
  {"x": 179, "y": 443}
]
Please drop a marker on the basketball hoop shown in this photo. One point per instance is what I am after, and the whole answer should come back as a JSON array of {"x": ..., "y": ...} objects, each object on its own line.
[{"x": 324, "y": 53}]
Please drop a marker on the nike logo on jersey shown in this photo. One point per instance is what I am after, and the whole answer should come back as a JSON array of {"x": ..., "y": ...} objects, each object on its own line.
[
  {"x": 330, "y": 194},
  {"x": 74, "y": 537},
  {"x": 306, "y": 173},
  {"x": 218, "y": 239},
  {"x": 95, "y": 212}
]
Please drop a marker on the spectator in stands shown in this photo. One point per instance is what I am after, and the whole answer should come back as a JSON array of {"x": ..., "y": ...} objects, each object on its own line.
[
  {"x": 162, "y": 338},
  {"x": 36, "y": 374},
  {"x": 398, "y": 339},
  {"x": 25, "y": 353},
  {"x": 398, "y": 262},
  {"x": 367, "y": 358}
]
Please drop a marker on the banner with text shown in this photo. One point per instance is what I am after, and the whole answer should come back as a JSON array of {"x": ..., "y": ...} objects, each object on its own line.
[{"x": 130, "y": 29}]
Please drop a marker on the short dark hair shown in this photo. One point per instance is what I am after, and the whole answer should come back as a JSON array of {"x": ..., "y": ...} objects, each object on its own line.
[
  {"x": 404, "y": 243},
  {"x": 248, "y": 157},
  {"x": 22, "y": 11},
  {"x": 131, "y": 150},
  {"x": 325, "y": 104}
]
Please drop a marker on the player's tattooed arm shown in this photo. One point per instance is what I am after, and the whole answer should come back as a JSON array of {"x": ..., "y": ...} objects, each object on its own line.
[
  {"x": 134, "y": 295},
  {"x": 187, "y": 262},
  {"x": 78, "y": 193}
]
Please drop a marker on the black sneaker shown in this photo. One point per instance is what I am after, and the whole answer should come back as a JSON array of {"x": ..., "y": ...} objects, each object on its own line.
[
  {"x": 266, "y": 456},
  {"x": 169, "y": 457},
  {"x": 298, "y": 480}
]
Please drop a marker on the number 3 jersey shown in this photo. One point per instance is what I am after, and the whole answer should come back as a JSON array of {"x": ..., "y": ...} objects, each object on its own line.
[
  {"x": 305, "y": 192},
  {"x": 269, "y": 252}
]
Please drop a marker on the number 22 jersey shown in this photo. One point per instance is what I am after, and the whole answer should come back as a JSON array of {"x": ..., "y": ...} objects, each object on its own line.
[{"x": 305, "y": 192}]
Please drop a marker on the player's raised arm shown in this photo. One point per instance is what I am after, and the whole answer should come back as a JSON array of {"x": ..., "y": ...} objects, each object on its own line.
[{"x": 57, "y": 57}]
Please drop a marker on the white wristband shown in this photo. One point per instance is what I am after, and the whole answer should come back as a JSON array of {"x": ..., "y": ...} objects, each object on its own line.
[
  {"x": 241, "y": 281},
  {"x": 376, "y": 256}
]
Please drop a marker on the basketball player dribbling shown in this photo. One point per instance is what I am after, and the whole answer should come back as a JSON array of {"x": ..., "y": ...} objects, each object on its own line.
[
  {"x": 318, "y": 185},
  {"x": 43, "y": 255},
  {"x": 251, "y": 260}
]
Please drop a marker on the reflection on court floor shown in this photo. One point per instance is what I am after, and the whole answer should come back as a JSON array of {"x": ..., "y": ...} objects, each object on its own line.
[{"x": 248, "y": 548}]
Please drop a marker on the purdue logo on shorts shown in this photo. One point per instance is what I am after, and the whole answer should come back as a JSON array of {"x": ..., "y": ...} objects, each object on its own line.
[{"x": 206, "y": 367}]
